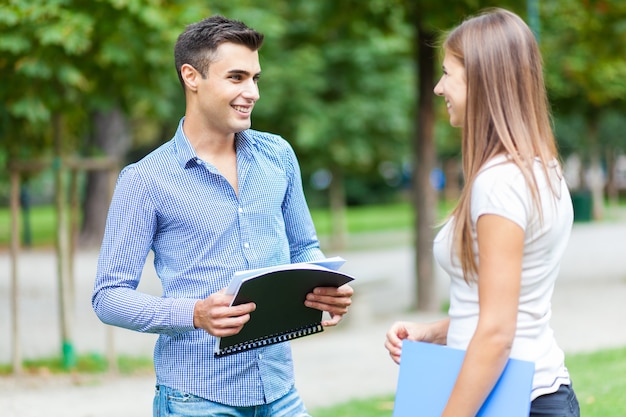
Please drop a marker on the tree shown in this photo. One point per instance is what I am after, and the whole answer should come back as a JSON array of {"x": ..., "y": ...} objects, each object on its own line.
[
  {"x": 65, "y": 63},
  {"x": 429, "y": 19},
  {"x": 98, "y": 64},
  {"x": 586, "y": 44},
  {"x": 41, "y": 88},
  {"x": 130, "y": 50}
]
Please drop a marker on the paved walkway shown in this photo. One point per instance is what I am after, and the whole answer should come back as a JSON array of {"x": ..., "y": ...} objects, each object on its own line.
[{"x": 342, "y": 363}]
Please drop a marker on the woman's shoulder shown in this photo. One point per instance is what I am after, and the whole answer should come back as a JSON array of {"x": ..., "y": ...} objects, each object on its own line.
[
  {"x": 498, "y": 170},
  {"x": 500, "y": 188}
]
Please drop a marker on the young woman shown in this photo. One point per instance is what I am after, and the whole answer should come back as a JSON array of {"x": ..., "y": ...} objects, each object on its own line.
[{"x": 503, "y": 243}]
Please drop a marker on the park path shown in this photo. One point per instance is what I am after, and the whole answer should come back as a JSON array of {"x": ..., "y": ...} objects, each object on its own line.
[{"x": 340, "y": 364}]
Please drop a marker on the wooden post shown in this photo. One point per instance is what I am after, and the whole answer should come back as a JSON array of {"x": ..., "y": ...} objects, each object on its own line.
[
  {"x": 62, "y": 251},
  {"x": 15, "y": 321},
  {"x": 64, "y": 244},
  {"x": 74, "y": 224}
]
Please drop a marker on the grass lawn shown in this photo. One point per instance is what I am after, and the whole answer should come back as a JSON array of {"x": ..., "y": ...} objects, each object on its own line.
[
  {"x": 93, "y": 363},
  {"x": 42, "y": 224},
  {"x": 599, "y": 380},
  {"x": 359, "y": 219},
  {"x": 368, "y": 218},
  {"x": 362, "y": 219}
]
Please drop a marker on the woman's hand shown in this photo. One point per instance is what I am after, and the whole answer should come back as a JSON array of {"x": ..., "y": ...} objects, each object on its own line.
[{"x": 424, "y": 332}]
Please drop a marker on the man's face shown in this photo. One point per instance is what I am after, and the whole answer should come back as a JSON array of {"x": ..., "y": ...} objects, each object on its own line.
[{"x": 227, "y": 94}]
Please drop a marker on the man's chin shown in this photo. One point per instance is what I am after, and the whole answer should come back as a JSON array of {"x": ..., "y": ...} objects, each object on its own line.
[{"x": 242, "y": 126}]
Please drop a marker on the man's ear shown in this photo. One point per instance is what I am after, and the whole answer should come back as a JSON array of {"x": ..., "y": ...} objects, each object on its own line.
[{"x": 190, "y": 76}]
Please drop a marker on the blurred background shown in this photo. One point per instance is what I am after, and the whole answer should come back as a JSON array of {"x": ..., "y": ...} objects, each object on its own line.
[{"x": 87, "y": 87}]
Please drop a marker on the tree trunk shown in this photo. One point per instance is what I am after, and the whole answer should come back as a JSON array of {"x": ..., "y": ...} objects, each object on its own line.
[
  {"x": 425, "y": 198},
  {"x": 452, "y": 172},
  {"x": 111, "y": 136},
  {"x": 612, "y": 193},
  {"x": 595, "y": 175},
  {"x": 16, "y": 334},
  {"x": 337, "y": 200}
]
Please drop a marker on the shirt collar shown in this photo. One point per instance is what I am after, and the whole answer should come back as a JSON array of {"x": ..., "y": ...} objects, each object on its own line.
[
  {"x": 185, "y": 153},
  {"x": 187, "y": 156}
]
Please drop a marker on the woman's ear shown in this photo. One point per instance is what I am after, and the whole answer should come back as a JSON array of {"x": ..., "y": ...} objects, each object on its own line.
[{"x": 190, "y": 77}]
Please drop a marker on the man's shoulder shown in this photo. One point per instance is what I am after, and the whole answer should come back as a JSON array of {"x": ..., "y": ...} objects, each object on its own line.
[
  {"x": 263, "y": 137},
  {"x": 159, "y": 156},
  {"x": 161, "y": 152}
]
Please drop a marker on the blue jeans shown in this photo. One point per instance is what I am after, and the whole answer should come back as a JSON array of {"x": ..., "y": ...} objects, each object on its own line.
[
  {"x": 562, "y": 403},
  {"x": 169, "y": 402}
]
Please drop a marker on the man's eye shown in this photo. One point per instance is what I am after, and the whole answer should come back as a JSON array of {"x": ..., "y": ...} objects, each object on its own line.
[{"x": 236, "y": 77}]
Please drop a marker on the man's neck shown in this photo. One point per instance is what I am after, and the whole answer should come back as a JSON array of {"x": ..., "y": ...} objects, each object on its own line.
[
  {"x": 208, "y": 143},
  {"x": 215, "y": 149}
]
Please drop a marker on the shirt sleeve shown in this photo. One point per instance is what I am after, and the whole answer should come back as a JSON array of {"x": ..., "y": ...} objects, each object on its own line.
[
  {"x": 303, "y": 240},
  {"x": 501, "y": 190},
  {"x": 129, "y": 231}
]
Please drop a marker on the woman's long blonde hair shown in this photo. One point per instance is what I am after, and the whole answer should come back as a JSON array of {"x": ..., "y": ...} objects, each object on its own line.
[{"x": 506, "y": 112}]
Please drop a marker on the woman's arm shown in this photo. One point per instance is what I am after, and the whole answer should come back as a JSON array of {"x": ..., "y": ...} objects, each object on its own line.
[{"x": 500, "y": 249}]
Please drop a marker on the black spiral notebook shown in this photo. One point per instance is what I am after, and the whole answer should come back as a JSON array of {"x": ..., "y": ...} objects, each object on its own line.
[{"x": 279, "y": 293}]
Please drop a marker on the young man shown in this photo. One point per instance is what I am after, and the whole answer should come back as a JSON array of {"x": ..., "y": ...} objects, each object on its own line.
[{"x": 215, "y": 199}]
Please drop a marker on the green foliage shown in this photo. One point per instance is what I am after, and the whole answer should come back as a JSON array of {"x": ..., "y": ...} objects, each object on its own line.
[
  {"x": 72, "y": 58},
  {"x": 338, "y": 77},
  {"x": 585, "y": 45},
  {"x": 337, "y": 83},
  {"x": 335, "y": 80}
]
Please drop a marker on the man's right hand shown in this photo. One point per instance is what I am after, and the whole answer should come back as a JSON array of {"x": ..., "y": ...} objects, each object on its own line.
[{"x": 215, "y": 315}]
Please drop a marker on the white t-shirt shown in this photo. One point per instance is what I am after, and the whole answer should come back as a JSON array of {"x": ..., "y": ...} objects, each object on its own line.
[{"x": 500, "y": 189}]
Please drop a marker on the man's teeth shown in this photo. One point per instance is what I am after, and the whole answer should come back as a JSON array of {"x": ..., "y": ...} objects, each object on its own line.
[{"x": 242, "y": 109}]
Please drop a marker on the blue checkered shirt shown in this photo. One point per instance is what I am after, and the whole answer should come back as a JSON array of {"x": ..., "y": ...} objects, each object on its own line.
[{"x": 201, "y": 232}]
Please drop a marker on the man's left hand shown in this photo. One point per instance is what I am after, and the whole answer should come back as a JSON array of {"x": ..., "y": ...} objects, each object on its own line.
[{"x": 333, "y": 300}]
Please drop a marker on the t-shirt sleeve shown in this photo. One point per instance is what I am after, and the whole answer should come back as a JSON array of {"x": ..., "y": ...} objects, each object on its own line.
[{"x": 501, "y": 190}]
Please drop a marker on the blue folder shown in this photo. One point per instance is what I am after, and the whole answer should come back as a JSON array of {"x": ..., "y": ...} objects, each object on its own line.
[{"x": 428, "y": 373}]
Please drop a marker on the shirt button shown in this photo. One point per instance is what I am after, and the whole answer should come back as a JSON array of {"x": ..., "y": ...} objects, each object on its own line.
[
  {"x": 246, "y": 245},
  {"x": 240, "y": 210},
  {"x": 260, "y": 356}
]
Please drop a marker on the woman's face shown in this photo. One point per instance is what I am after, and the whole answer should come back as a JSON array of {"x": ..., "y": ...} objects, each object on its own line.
[{"x": 453, "y": 88}]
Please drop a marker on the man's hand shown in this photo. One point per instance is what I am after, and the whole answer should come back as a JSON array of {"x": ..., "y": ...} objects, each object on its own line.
[
  {"x": 333, "y": 300},
  {"x": 216, "y": 317}
]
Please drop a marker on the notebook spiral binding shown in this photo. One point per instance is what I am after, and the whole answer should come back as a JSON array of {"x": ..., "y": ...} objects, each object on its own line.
[{"x": 271, "y": 339}]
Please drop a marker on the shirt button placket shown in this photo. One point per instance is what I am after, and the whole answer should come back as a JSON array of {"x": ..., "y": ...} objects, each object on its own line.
[{"x": 242, "y": 223}]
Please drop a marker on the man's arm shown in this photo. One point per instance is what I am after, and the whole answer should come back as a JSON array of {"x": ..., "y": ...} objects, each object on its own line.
[{"x": 131, "y": 224}]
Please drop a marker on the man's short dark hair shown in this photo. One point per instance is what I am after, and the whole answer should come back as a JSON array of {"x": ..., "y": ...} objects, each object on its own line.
[{"x": 196, "y": 46}]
